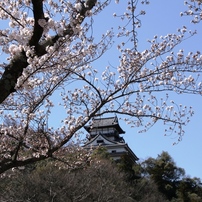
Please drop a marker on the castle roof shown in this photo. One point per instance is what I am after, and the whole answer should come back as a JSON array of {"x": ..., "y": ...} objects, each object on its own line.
[{"x": 105, "y": 123}]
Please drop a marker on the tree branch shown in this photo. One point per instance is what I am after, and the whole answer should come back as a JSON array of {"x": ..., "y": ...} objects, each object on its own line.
[
  {"x": 38, "y": 30},
  {"x": 14, "y": 70},
  {"x": 11, "y": 16},
  {"x": 12, "y": 164},
  {"x": 11, "y": 74}
]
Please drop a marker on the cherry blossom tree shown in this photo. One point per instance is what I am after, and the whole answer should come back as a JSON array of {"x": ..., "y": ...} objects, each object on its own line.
[{"x": 50, "y": 50}]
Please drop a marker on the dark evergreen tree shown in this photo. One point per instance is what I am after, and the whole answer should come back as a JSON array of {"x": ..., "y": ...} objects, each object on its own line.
[{"x": 171, "y": 180}]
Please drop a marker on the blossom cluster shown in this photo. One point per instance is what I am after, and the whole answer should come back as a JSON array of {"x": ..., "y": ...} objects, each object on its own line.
[{"x": 194, "y": 10}]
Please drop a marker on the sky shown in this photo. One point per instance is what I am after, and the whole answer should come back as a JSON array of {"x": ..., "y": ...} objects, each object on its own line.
[{"x": 162, "y": 17}]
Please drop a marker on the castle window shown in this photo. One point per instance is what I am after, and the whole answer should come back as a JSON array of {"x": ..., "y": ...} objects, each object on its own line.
[
  {"x": 113, "y": 151},
  {"x": 100, "y": 141}
]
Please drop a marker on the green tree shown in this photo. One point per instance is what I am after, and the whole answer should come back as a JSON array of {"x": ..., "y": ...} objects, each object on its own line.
[
  {"x": 146, "y": 190},
  {"x": 165, "y": 173},
  {"x": 190, "y": 190},
  {"x": 100, "y": 152},
  {"x": 171, "y": 179},
  {"x": 127, "y": 166}
]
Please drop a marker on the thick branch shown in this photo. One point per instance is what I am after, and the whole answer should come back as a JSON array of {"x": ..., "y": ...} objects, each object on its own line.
[
  {"x": 14, "y": 70},
  {"x": 12, "y": 164},
  {"x": 9, "y": 78},
  {"x": 38, "y": 30}
]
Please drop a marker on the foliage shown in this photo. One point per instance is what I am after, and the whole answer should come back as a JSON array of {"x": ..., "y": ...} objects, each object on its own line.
[
  {"x": 190, "y": 189},
  {"x": 171, "y": 180},
  {"x": 127, "y": 166},
  {"x": 100, "y": 152},
  {"x": 145, "y": 190},
  {"x": 51, "y": 48},
  {"x": 101, "y": 181}
]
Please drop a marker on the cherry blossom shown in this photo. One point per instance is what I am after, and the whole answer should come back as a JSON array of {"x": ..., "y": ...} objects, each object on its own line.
[{"x": 51, "y": 50}]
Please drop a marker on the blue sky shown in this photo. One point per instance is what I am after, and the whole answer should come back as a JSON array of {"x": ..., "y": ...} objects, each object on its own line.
[{"x": 162, "y": 17}]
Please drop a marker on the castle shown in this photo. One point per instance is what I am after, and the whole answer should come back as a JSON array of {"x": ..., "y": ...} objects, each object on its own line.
[{"x": 106, "y": 132}]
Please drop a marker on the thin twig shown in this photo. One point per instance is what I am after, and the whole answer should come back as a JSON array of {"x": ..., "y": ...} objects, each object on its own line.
[{"x": 12, "y": 16}]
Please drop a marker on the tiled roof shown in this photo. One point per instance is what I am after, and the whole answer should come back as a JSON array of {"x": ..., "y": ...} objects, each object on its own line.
[{"x": 105, "y": 123}]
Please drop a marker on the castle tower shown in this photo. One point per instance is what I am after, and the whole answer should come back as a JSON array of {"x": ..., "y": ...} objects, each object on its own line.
[{"x": 106, "y": 132}]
